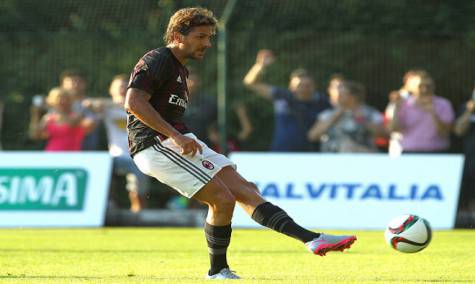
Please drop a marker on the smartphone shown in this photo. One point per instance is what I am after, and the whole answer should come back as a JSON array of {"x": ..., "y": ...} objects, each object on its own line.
[{"x": 473, "y": 95}]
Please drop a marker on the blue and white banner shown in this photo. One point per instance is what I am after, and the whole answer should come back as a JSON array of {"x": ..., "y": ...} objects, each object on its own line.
[{"x": 354, "y": 191}]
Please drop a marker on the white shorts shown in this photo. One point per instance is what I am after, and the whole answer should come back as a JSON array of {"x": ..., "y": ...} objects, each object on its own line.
[{"x": 184, "y": 173}]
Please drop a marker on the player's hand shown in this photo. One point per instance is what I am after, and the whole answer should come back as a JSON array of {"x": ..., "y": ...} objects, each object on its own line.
[
  {"x": 188, "y": 146},
  {"x": 265, "y": 57}
]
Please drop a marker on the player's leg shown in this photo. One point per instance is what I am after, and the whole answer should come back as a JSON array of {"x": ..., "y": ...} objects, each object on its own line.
[
  {"x": 194, "y": 177},
  {"x": 273, "y": 217},
  {"x": 217, "y": 228},
  {"x": 263, "y": 212},
  {"x": 220, "y": 202}
]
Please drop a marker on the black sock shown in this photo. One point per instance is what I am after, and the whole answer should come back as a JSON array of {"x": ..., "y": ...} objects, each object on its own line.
[
  {"x": 271, "y": 216},
  {"x": 218, "y": 238}
]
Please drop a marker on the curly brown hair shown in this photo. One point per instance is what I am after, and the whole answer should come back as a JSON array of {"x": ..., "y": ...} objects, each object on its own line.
[{"x": 185, "y": 19}]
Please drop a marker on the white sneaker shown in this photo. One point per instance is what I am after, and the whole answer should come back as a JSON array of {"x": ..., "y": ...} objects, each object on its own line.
[{"x": 225, "y": 273}]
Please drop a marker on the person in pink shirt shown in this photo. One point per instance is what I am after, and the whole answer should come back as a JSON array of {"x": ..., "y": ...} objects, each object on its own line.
[
  {"x": 63, "y": 129},
  {"x": 424, "y": 119}
]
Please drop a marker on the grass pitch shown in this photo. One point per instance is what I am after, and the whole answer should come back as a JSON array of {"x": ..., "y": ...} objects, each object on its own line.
[{"x": 259, "y": 256}]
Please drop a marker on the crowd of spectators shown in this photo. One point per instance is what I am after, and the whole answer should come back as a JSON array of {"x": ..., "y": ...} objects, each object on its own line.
[
  {"x": 295, "y": 107},
  {"x": 416, "y": 120},
  {"x": 69, "y": 120},
  {"x": 351, "y": 125}
]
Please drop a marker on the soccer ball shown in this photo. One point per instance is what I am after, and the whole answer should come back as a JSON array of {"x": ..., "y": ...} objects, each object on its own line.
[{"x": 408, "y": 233}]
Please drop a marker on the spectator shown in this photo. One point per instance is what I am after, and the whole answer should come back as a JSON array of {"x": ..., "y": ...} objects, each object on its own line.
[
  {"x": 424, "y": 119},
  {"x": 237, "y": 134},
  {"x": 214, "y": 138},
  {"x": 409, "y": 83},
  {"x": 409, "y": 80},
  {"x": 351, "y": 126},
  {"x": 63, "y": 128},
  {"x": 245, "y": 124},
  {"x": 75, "y": 83},
  {"x": 465, "y": 127},
  {"x": 201, "y": 112},
  {"x": 295, "y": 108},
  {"x": 201, "y": 116},
  {"x": 115, "y": 121}
]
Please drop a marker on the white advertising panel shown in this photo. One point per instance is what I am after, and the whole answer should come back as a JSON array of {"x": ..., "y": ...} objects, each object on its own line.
[
  {"x": 354, "y": 191},
  {"x": 40, "y": 189}
]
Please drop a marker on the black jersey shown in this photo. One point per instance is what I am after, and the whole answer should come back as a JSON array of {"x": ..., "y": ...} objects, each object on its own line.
[{"x": 162, "y": 76}]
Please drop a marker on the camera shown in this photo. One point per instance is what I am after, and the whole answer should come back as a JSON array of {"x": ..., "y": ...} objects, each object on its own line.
[{"x": 38, "y": 100}]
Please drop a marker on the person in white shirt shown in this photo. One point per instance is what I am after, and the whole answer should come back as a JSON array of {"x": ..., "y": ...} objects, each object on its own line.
[{"x": 114, "y": 117}]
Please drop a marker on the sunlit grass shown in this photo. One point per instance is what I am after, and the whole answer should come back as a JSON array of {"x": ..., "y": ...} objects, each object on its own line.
[{"x": 179, "y": 255}]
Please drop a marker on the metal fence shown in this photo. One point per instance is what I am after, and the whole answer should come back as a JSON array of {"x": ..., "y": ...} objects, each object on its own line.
[{"x": 374, "y": 43}]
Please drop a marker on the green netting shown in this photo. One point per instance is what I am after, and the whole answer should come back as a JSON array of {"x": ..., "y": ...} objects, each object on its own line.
[{"x": 374, "y": 42}]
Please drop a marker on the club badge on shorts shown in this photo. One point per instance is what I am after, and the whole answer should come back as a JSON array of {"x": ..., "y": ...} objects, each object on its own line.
[{"x": 207, "y": 164}]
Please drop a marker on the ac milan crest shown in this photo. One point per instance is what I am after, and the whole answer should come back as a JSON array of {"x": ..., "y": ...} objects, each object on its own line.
[{"x": 207, "y": 164}]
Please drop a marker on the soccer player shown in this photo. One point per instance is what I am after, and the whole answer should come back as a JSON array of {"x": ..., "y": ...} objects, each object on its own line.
[{"x": 162, "y": 146}]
